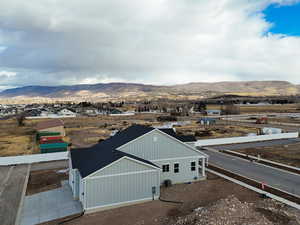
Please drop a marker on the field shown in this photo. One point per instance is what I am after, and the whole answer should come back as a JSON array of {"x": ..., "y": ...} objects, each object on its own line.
[
  {"x": 276, "y": 108},
  {"x": 86, "y": 131},
  {"x": 286, "y": 154},
  {"x": 15, "y": 140}
]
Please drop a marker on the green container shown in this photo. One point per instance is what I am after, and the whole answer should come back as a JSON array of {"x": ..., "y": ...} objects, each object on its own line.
[
  {"x": 54, "y": 145},
  {"x": 45, "y": 133},
  {"x": 51, "y": 150}
]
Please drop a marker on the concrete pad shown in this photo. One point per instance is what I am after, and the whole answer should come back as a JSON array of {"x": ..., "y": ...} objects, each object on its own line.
[
  {"x": 12, "y": 190},
  {"x": 50, "y": 205}
]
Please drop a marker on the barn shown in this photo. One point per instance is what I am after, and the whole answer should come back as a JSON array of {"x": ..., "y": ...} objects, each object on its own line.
[{"x": 130, "y": 166}]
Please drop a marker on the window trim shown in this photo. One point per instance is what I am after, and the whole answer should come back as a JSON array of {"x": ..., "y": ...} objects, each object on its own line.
[
  {"x": 167, "y": 164},
  {"x": 193, "y": 168},
  {"x": 177, "y": 168}
]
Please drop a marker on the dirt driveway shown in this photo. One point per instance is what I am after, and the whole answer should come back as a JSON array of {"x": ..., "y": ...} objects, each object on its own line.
[{"x": 157, "y": 212}]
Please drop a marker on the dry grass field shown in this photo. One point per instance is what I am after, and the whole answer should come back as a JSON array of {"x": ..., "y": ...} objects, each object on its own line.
[{"x": 16, "y": 140}]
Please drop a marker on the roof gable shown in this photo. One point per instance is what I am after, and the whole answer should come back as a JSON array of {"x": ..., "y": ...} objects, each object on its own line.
[{"x": 158, "y": 145}]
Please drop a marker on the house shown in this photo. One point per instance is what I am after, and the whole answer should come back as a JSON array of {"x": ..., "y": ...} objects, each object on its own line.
[
  {"x": 213, "y": 112},
  {"x": 206, "y": 121},
  {"x": 130, "y": 167},
  {"x": 55, "y": 125},
  {"x": 66, "y": 113}
]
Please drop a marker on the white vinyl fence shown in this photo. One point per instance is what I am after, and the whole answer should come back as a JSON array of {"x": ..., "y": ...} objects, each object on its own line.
[
  {"x": 236, "y": 140},
  {"x": 35, "y": 158}
]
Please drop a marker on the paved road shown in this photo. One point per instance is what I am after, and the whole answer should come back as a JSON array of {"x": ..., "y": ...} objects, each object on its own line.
[
  {"x": 257, "y": 144},
  {"x": 12, "y": 180},
  {"x": 276, "y": 178}
]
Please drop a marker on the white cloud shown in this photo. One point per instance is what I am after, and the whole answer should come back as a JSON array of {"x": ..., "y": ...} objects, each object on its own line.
[{"x": 159, "y": 41}]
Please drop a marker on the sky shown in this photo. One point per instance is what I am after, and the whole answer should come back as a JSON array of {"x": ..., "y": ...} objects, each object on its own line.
[{"x": 54, "y": 42}]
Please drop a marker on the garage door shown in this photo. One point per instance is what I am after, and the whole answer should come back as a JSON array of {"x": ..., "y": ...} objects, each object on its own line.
[{"x": 112, "y": 190}]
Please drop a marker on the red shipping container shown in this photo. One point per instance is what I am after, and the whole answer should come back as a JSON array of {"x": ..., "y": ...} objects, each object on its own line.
[
  {"x": 51, "y": 138},
  {"x": 51, "y": 141}
]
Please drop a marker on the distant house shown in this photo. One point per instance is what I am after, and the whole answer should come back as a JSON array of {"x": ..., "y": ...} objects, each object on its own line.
[
  {"x": 207, "y": 121},
  {"x": 213, "y": 112},
  {"x": 66, "y": 113},
  {"x": 130, "y": 167},
  {"x": 55, "y": 125}
]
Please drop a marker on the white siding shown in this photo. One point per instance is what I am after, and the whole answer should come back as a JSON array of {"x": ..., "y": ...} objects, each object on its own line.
[
  {"x": 185, "y": 173},
  {"x": 156, "y": 145},
  {"x": 123, "y": 181},
  {"x": 109, "y": 190}
]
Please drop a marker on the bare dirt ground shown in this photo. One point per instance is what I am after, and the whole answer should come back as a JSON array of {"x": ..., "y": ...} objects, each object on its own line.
[
  {"x": 193, "y": 195},
  {"x": 231, "y": 210},
  {"x": 45, "y": 180},
  {"x": 286, "y": 154},
  {"x": 286, "y": 108},
  {"x": 285, "y": 120},
  {"x": 219, "y": 130}
]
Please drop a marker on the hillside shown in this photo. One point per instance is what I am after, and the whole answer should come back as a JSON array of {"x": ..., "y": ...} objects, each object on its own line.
[{"x": 107, "y": 90}]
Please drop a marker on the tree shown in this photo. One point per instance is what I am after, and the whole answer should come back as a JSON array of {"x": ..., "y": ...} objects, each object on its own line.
[
  {"x": 230, "y": 109},
  {"x": 20, "y": 119}
]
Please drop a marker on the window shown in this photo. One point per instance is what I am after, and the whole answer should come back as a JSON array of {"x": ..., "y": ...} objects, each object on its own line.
[
  {"x": 165, "y": 168},
  {"x": 176, "y": 168},
  {"x": 193, "y": 166}
]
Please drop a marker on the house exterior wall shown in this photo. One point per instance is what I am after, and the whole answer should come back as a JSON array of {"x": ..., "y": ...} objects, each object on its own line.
[
  {"x": 161, "y": 149},
  {"x": 157, "y": 146},
  {"x": 185, "y": 173},
  {"x": 60, "y": 129},
  {"x": 114, "y": 186},
  {"x": 106, "y": 191},
  {"x": 74, "y": 182}
]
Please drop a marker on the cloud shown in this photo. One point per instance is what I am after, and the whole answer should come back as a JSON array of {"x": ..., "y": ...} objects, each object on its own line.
[{"x": 160, "y": 41}]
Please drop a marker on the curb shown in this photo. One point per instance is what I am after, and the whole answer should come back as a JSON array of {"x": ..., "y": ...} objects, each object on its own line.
[{"x": 20, "y": 209}]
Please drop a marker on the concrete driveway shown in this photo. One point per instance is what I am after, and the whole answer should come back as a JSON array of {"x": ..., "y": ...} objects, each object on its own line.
[
  {"x": 49, "y": 205},
  {"x": 276, "y": 178},
  {"x": 13, "y": 183}
]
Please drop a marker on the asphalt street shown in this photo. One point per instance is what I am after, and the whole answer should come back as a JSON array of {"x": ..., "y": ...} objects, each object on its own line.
[
  {"x": 258, "y": 144},
  {"x": 276, "y": 178}
]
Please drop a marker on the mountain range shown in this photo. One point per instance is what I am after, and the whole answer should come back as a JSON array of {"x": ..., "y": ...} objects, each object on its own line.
[{"x": 115, "y": 90}]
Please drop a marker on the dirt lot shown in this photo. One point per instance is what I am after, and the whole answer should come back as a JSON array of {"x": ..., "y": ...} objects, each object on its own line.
[
  {"x": 86, "y": 131},
  {"x": 287, "y": 154},
  {"x": 194, "y": 195},
  {"x": 16, "y": 140},
  {"x": 285, "y": 120},
  {"x": 45, "y": 180},
  {"x": 286, "y": 108},
  {"x": 215, "y": 131}
]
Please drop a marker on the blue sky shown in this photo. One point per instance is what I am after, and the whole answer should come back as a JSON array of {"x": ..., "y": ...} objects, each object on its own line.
[{"x": 286, "y": 19}]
